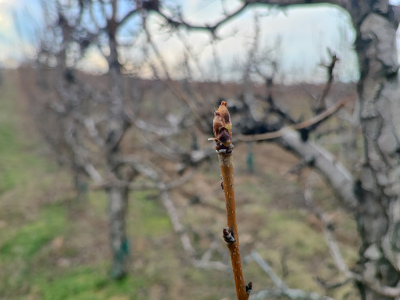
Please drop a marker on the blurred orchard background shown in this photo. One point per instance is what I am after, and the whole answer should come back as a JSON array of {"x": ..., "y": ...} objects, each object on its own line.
[{"x": 110, "y": 189}]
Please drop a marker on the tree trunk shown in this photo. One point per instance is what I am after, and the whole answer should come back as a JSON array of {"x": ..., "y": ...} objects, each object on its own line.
[
  {"x": 378, "y": 187},
  {"x": 80, "y": 183},
  {"x": 81, "y": 187},
  {"x": 117, "y": 125},
  {"x": 117, "y": 208}
]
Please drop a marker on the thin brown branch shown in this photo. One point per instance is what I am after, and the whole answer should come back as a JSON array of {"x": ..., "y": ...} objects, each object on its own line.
[
  {"x": 179, "y": 22},
  {"x": 211, "y": 28},
  {"x": 272, "y": 135},
  {"x": 222, "y": 131},
  {"x": 319, "y": 105},
  {"x": 226, "y": 165}
]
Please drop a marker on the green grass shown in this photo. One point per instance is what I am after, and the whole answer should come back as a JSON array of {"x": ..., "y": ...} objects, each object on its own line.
[
  {"x": 294, "y": 233},
  {"x": 148, "y": 216},
  {"x": 30, "y": 238},
  {"x": 9, "y": 163},
  {"x": 18, "y": 162},
  {"x": 19, "y": 252},
  {"x": 85, "y": 283}
]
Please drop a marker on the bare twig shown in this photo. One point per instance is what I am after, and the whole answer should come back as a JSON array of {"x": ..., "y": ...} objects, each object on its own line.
[
  {"x": 223, "y": 137},
  {"x": 332, "y": 286},
  {"x": 282, "y": 290},
  {"x": 156, "y": 174},
  {"x": 168, "y": 82},
  {"x": 329, "y": 237},
  {"x": 283, "y": 131},
  {"x": 319, "y": 105},
  {"x": 268, "y": 270},
  {"x": 211, "y": 28}
]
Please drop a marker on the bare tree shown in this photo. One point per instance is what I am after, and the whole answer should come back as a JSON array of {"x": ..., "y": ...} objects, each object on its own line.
[
  {"x": 372, "y": 195},
  {"x": 91, "y": 122},
  {"x": 87, "y": 119}
]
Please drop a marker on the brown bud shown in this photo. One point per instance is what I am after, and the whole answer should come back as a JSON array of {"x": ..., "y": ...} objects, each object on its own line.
[
  {"x": 225, "y": 137},
  {"x": 228, "y": 235},
  {"x": 222, "y": 125},
  {"x": 249, "y": 287},
  {"x": 224, "y": 113},
  {"x": 217, "y": 123}
]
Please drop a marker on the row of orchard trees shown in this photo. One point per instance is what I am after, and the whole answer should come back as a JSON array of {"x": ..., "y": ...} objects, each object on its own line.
[{"x": 91, "y": 123}]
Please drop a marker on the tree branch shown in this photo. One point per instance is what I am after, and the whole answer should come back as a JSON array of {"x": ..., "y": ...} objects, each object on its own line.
[
  {"x": 319, "y": 105},
  {"x": 284, "y": 3},
  {"x": 334, "y": 173},
  {"x": 212, "y": 28},
  {"x": 127, "y": 16},
  {"x": 282, "y": 290},
  {"x": 281, "y": 132},
  {"x": 329, "y": 237},
  {"x": 156, "y": 175},
  {"x": 179, "y": 22}
]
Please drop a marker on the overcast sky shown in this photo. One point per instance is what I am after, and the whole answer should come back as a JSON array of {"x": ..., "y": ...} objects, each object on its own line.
[{"x": 304, "y": 34}]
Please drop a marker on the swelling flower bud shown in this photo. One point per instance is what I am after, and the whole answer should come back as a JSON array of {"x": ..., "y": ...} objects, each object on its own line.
[{"x": 222, "y": 125}]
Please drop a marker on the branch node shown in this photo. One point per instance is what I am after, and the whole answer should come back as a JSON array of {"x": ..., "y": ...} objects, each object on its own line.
[
  {"x": 228, "y": 236},
  {"x": 249, "y": 287},
  {"x": 220, "y": 148}
]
